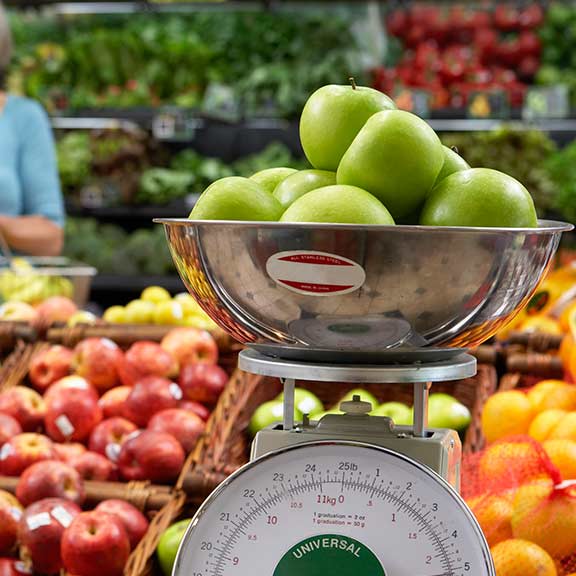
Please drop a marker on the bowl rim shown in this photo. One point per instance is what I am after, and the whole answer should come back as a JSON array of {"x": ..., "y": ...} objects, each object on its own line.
[{"x": 544, "y": 226}]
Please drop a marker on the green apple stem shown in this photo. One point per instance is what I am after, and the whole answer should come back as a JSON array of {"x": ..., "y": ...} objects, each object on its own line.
[
  {"x": 454, "y": 149},
  {"x": 353, "y": 82}
]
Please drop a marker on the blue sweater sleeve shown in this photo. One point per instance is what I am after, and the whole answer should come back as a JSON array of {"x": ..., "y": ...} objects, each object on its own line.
[{"x": 38, "y": 168}]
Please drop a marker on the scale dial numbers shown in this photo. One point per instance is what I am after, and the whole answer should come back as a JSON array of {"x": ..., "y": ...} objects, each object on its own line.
[{"x": 340, "y": 508}]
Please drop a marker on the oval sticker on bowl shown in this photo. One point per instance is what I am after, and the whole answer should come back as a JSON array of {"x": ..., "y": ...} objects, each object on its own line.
[{"x": 315, "y": 273}]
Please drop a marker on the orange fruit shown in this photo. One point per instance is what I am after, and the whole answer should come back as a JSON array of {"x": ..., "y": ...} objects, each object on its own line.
[
  {"x": 521, "y": 558},
  {"x": 563, "y": 455},
  {"x": 506, "y": 413},
  {"x": 544, "y": 423},
  {"x": 566, "y": 348},
  {"x": 566, "y": 428},
  {"x": 546, "y": 515},
  {"x": 505, "y": 465},
  {"x": 494, "y": 514},
  {"x": 541, "y": 323},
  {"x": 564, "y": 319},
  {"x": 553, "y": 395}
]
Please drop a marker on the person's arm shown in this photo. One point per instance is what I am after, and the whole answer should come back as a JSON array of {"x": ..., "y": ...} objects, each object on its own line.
[{"x": 38, "y": 231}]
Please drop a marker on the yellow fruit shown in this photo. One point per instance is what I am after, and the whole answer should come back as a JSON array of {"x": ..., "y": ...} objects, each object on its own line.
[
  {"x": 546, "y": 515},
  {"x": 189, "y": 307},
  {"x": 565, "y": 351},
  {"x": 81, "y": 317},
  {"x": 553, "y": 395},
  {"x": 521, "y": 558},
  {"x": 115, "y": 315},
  {"x": 169, "y": 313},
  {"x": 544, "y": 423},
  {"x": 140, "y": 312},
  {"x": 155, "y": 294},
  {"x": 541, "y": 323},
  {"x": 566, "y": 428},
  {"x": 494, "y": 515},
  {"x": 506, "y": 413},
  {"x": 562, "y": 452}
]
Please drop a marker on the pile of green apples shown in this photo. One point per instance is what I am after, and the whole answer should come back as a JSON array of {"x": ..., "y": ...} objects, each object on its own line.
[
  {"x": 371, "y": 164},
  {"x": 444, "y": 411}
]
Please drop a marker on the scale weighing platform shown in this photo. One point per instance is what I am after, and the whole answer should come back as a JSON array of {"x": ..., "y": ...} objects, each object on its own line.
[
  {"x": 352, "y": 494},
  {"x": 349, "y": 495}
]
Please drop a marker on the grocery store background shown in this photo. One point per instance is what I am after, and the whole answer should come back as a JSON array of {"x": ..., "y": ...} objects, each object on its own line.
[{"x": 152, "y": 102}]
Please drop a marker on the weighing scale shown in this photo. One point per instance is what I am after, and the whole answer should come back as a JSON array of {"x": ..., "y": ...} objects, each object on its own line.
[{"x": 351, "y": 494}]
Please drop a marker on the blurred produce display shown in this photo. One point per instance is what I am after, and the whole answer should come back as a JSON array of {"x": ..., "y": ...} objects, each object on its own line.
[
  {"x": 452, "y": 51},
  {"x": 561, "y": 167},
  {"x": 112, "y": 250},
  {"x": 558, "y": 35},
  {"x": 246, "y": 64},
  {"x": 115, "y": 167}
]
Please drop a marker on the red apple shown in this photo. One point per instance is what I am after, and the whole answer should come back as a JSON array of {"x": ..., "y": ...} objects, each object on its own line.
[
  {"x": 71, "y": 414},
  {"x": 56, "y": 309},
  {"x": 96, "y": 543},
  {"x": 68, "y": 451},
  {"x": 191, "y": 346},
  {"x": 154, "y": 456},
  {"x": 185, "y": 426},
  {"x": 203, "y": 382},
  {"x": 12, "y": 567},
  {"x": 10, "y": 514},
  {"x": 70, "y": 383},
  {"x": 146, "y": 359},
  {"x": 196, "y": 408},
  {"x": 41, "y": 529},
  {"x": 135, "y": 523},
  {"x": 9, "y": 427},
  {"x": 112, "y": 402},
  {"x": 24, "y": 405},
  {"x": 49, "y": 366},
  {"x": 50, "y": 479},
  {"x": 108, "y": 436},
  {"x": 93, "y": 466},
  {"x": 150, "y": 395},
  {"x": 97, "y": 360},
  {"x": 24, "y": 450}
]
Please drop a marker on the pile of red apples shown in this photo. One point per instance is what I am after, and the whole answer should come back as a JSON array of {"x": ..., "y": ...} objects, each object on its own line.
[{"x": 97, "y": 412}]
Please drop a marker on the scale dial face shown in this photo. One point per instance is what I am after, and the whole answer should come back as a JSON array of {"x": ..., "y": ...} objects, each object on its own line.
[{"x": 334, "y": 509}]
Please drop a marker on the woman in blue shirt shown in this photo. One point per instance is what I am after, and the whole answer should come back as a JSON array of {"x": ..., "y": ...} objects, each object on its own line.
[{"x": 31, "y": 205}]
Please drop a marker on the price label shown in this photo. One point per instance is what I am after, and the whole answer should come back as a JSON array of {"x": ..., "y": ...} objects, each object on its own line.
[
  {"x": 415, "y": 101},
  {"x": 175, "y": 124},
  {"x": 546, "y": 102},
  {"x": 488, "y": 104}
]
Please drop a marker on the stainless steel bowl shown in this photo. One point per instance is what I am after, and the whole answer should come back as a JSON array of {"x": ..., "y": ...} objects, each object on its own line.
[{"x": 360, "y": 288}]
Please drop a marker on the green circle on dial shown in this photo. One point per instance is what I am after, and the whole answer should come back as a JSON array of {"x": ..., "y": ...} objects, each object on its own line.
[{"x": 331, "y": 554}]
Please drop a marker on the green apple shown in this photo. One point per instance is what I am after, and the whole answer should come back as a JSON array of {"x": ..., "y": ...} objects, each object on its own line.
[
  {"x": 365, "y": 396},
  {"x": 296, "y": 185},
  {"x": 338, "y": 204},
  {"x": 453, "y": 162},
  {"x": 444, "y": 411},
  {"x": 397, "y": 158},
  {"x": 235, "y": 198},
  {"x": 169, "y": 543},
  {"x": 271, "y": 177},
  {"x": 305, "y": 401},
  {"x": 399, "y": 412},
  {"x": 479, "y": 197},
  {"x": 269, "y": 413},
  {"x": 331, "y": 119}
]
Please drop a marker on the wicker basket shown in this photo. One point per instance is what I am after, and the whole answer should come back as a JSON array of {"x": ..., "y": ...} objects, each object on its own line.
[{"x": 226, "y": 444}]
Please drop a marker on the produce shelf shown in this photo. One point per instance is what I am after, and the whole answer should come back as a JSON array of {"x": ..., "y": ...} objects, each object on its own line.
[{"x": 131, "y": 213}]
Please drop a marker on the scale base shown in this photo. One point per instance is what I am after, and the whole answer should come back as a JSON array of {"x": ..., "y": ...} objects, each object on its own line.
[{"x": 440, "y": 450}]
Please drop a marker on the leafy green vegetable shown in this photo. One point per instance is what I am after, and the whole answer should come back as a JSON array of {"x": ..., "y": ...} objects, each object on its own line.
[{"x": 161, "y": 185}]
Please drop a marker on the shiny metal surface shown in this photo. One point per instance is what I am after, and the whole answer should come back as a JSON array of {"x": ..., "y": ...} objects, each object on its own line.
[
  {"x": 414, "y": 286},
  {"x": 463, "y": 366}
]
